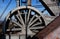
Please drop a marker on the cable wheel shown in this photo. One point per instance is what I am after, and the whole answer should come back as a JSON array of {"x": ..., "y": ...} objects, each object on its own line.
[{"x": 27, "y": 19}]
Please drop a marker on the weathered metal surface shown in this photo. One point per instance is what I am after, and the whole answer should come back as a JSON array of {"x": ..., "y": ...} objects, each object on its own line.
[
  {"x": 53, "y": 25},
  {"x": 48, "y": 19},
  {"x": 54, "y": 35},
  {"x": 54, "y": 9},
  {"x": 29, "y": 3},
  {"x": 47, "y": 8},
  {"x": 30, "y": 20}
]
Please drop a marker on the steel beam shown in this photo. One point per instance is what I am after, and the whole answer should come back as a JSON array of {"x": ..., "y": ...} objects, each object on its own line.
[
  {"x": 29, "y": 3},
  {"x": 50, "y": 27},
  {"x": 47, "y": 8}
]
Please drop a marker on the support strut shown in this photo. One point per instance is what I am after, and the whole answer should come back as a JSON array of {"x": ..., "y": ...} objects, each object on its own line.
[{"x": 47, "y": 8}]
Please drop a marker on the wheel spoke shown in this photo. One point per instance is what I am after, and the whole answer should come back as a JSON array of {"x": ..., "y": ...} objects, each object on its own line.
[
  {"x": 40, "y": 27},
  {"x": 11, "y": 25},
  {"x": 18, "y": 19},
  {"x": 14, "y": 29},
  {"x": 28, "y": 15},
  {"x": 33, "y": 21},
  {"x": 38, "y": 23},
  {"x": 40, "y": 20},
  {"x": 21, "y": 18},
  {"x": 25, "y": 16},
  {"x": 16, "y": 23}
]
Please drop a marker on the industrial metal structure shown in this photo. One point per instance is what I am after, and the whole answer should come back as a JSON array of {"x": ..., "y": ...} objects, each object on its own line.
[{"x": 24, "y": 22}]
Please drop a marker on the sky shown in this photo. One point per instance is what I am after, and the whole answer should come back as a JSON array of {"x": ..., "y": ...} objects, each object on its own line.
[
  {"x": 3, "y": 6},
  {"x": 13, "y": 6}
]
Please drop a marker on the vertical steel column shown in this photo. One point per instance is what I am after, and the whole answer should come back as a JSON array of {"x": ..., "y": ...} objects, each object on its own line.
[
  {"x": 10, "y": 35},
  {"x": 4, "y": 30},
  {"x": 29, "y": 3},
  {"x": 19, "y": 36}
]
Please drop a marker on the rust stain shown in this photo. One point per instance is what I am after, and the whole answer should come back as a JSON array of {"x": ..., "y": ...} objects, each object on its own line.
[
  {"x": 54, "y": 35},
  {"x": 51, "y": 28},
  {"x": 57, "y": 38}
]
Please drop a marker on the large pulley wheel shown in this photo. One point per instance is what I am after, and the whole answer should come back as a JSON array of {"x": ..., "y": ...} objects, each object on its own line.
[{"x": 27, "y": 19}]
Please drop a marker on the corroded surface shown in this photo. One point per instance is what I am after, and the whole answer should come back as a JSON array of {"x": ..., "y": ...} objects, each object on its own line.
[
  {"x": 51, "y": 27},
  {"x": 53, "y": 6},
  {"x": 54, "y": 35}
]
